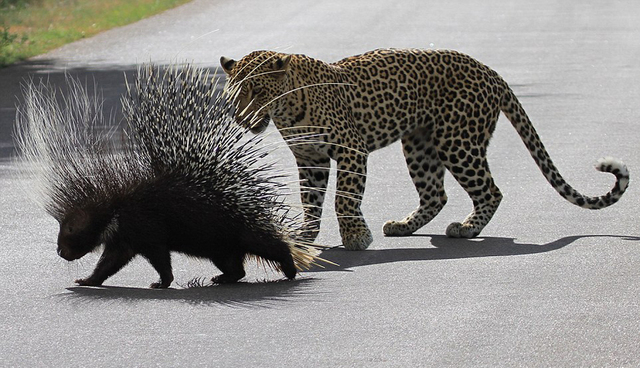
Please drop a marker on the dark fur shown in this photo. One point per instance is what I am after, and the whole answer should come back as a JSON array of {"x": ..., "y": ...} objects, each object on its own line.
[{"x": 160, "y": 217}]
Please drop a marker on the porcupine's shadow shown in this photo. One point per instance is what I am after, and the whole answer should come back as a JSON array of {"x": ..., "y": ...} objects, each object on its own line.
[
  {"x": 238, "y": 295},
  {"x": 447, "y": 248}
]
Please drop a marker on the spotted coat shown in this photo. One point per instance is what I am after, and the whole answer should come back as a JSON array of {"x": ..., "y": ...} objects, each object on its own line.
[{"x": 443, "y": 106}]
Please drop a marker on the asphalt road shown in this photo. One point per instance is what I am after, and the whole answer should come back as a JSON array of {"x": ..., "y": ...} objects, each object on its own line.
[{"x": 547, "y": 283}]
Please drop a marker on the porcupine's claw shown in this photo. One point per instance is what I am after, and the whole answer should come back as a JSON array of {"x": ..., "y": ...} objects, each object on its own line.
[
  {"x": 87, "y": 282},
  {"x": 225, "y": 279}
]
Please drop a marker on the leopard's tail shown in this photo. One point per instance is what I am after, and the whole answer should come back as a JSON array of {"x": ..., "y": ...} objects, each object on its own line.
[{"x": 512, "y": 108}]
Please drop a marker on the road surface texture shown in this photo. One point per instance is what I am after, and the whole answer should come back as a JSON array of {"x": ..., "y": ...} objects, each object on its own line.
[{"x": 547, "y": 283}]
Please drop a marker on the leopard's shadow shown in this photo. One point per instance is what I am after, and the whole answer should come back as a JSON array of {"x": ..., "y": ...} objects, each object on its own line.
[{"x": 447, "y": 248}]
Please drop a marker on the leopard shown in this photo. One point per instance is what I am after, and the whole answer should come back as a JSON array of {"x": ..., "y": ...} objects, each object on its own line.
[{"x": 443, "y": 105}]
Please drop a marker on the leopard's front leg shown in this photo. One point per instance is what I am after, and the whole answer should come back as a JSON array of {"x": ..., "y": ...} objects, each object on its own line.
[
  {"x": 352, "y": 175},
  {"x": 314, "y": 175}
]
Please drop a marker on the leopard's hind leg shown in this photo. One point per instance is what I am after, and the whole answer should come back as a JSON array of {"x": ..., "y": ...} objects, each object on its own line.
[
  {"x": 427, "y": 173},
  {"x": 470, "y": 168}
]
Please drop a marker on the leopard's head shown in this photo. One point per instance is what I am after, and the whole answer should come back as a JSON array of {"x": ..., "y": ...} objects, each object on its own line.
[{"x": 254, "y": 83}]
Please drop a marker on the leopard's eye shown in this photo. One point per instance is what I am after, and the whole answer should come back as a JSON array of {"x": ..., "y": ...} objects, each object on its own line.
[{"x": 256, "y": 90}]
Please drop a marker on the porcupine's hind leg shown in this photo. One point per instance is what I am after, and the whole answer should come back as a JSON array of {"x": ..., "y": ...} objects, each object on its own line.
[
  {"x": 276, "y": 250},
  {"x": 232, "y": 267},
  {"x": 427, "y": 173}
]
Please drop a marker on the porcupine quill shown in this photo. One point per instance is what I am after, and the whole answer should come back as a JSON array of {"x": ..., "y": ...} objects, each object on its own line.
[{"x": 183, "y": 181}]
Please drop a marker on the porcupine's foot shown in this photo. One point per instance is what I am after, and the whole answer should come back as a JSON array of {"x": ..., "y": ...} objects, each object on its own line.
[
  {"x": 232, "y": 267},
  {"x": 160, "y": 284},
  {"x": 225, "y": 279},
  {"x": 289, "y": 269},
  {"x": 88, "y": 282},
  {"x": 357, "y": 240}
]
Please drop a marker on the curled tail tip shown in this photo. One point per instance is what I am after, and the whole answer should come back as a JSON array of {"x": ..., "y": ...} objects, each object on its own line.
[
  {"x": 615, "y": 167},
  {"x": 612, "y": 165}
]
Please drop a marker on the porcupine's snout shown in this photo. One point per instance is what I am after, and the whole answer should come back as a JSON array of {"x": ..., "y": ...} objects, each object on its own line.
[
  {"x": 79, "y": 234},
  {"x": 68, "y": 253},
  {"x": 75, "y": 247},
  {"x": 71, "y": 248},
  {"x": 64, "y": 253}
]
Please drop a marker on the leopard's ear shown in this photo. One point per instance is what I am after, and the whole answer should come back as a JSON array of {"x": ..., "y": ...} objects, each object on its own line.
[
  {"x": 227, "y": 64},
  {"x": 280, "y": 66}
]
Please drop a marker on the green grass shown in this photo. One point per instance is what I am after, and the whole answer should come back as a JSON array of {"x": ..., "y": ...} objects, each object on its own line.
[{"x": 32, "y": 27}]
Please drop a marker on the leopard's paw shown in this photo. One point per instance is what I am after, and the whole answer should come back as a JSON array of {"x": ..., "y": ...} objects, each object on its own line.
[
  {"x": 458, "y": 230},
  {"x": 359, "y": 240},
  {"x": 396, "y": 228}
]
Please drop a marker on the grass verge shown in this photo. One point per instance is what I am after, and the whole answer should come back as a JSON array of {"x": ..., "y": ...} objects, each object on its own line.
[{"x": 32, "y": 27}]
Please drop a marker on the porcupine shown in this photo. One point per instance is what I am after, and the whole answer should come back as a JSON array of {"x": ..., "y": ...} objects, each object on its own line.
[{"x": 184, "y": 180}]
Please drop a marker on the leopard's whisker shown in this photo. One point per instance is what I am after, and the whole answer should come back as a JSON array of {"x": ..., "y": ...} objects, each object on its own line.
[{"x": 335, "y": 168}]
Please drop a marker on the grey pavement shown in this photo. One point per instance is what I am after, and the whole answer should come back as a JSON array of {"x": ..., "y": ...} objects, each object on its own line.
[{"x": 547, "y": 283}]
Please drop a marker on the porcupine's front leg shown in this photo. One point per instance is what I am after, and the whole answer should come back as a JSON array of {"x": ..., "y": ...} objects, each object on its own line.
[
  {"x": 352, "y": 175},
  {"x": 111, "y": 261},
  {"x": 160, "y": 259},
  {"x": 314, "y": 175}
]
